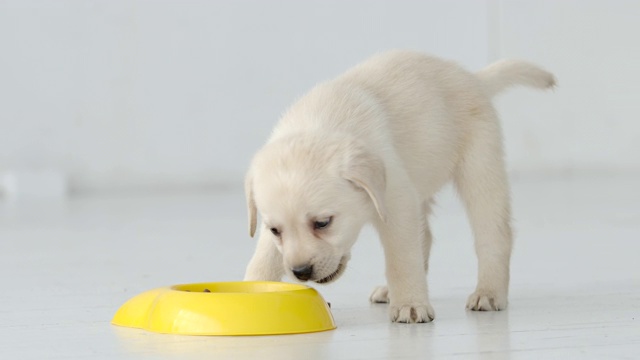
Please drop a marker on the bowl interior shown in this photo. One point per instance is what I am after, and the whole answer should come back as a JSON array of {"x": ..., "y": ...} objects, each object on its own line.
[{"x": 239, "y": 287}]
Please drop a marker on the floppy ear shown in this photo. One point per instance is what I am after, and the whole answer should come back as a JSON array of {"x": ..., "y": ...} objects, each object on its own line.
[
  {"x": 251, "y": 204},
  {"x": 366, "y": 170}
]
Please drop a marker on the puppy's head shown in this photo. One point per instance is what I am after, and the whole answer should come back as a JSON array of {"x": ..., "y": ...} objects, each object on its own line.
[{"x": 314, "y": 195}]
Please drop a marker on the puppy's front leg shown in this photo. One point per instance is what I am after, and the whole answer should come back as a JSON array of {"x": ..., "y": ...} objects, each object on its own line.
[
  {"x": 400, "y": 236},
  {"x": 266, "y": 263}
]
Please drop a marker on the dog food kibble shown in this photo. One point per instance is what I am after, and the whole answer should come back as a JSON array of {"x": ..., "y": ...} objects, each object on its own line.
[{"x": 207, "y": 290}]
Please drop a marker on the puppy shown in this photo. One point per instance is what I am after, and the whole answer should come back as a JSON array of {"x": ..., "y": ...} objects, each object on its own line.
[{"x": 375, "y": 145}]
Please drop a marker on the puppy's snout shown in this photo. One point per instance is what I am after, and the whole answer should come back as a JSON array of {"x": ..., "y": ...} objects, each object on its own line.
[{"x": 303, "y": 272}]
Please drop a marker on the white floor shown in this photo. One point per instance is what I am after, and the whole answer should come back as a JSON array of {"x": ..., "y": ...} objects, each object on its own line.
[{"x": 65, "y": 269}]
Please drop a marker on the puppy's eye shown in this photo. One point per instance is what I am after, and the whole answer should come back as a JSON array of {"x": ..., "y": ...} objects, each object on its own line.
[
  {"x": 318, "y": 225},
  {"x": 275, "y": 231}
]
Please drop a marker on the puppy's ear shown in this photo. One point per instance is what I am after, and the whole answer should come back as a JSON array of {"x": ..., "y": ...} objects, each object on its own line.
[
  {"x": 251, "y": 204},
  {"x": 366, "y": 170}
]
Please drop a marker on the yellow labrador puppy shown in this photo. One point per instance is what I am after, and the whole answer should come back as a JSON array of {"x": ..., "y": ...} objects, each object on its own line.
[{"x": 375, "y": 145}]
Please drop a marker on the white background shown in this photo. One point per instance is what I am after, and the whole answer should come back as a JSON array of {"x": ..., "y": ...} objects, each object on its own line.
[{"x": 167, "y": 94}]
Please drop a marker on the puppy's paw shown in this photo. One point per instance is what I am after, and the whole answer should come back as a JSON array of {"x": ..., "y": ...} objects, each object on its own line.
[
  {"x": 486, "y": 300},
  {"x": 412, "y": 313},
  {"x": 380, "y": 295}
]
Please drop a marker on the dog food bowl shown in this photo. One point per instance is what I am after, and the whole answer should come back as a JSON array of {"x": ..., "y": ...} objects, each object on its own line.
[{"x": 228, "y": 308}]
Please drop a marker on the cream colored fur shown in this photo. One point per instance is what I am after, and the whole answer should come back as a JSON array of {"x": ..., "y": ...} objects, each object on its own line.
[{"x": 375, "y": 145}]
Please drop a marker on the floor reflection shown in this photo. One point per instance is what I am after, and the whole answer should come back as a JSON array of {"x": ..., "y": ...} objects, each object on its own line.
[
  {"x": 316, "y": 345},
  {"x": 492, "y": 340}
]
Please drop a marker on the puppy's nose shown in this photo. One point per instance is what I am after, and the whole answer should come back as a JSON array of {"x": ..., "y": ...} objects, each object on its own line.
[{"x": 303, "y": 272}]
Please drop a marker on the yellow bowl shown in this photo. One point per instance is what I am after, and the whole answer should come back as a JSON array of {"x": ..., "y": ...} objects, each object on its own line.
[{"x": 228, "y": 308}]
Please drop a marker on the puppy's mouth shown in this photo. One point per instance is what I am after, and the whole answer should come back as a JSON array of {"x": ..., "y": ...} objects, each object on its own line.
[{"x": 336, "y": 274}]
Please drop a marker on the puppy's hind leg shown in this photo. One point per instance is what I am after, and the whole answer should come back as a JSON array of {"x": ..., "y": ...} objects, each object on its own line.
[
  {"x": 482, "y": 183},
  {"x": 266, "y": 263},
  {"x": 427, "y": 238}
]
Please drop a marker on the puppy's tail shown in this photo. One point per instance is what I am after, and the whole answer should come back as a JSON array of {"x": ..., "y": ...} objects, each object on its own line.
[{"x": 506, "y": 73}]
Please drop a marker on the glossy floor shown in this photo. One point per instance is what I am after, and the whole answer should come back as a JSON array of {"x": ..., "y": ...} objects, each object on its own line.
[{"x": 66, "y": 267}]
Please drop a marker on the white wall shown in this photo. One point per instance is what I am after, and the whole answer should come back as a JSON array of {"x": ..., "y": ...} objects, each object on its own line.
[
  {"x": 121, "y": 94},
  {"x": 156, "y": 93},
  {"x": 592, "y": 121}
]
